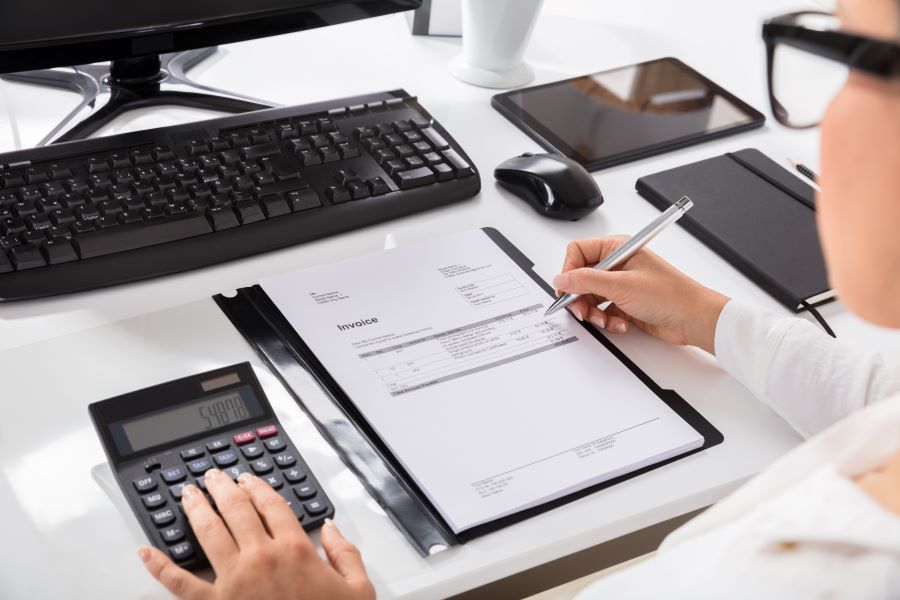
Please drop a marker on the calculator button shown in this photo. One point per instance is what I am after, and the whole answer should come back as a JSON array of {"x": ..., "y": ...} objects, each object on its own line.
[
  {"x": 182, "y": 551},
  {"x": 267, "y": 431},
  {"x": 294, "y": 475},
  {"x": 201, "y": 483},
  {"x": 275, "y": 444},
  {"x": 177, "y": 490},
  {"x": 194, "y": 452},
  {"x": 225, "y": 459},
  {"x": 305, "y": 492},
  {"x": 145, "y": 484},
  {"x": 154, "y": 500},
  {"x": 252, "y": 450},
  {"x": 243, "y": 438},
  {"x": 274, "y": 480},
  {"x": 173, "y": 475},
  {"x": 172, "y": 534},
  {"x": 261, "y": 466},
  {"x": 217, "y": 446},
  {"x": 235, "y": 471},
  {"x": 163, "y": 517},
  {"x": 296, "y": 507},
  {"x": 315, "y": 507},
  {"x": 285, "y": 460},
  {"x": 199, "y": 466}
]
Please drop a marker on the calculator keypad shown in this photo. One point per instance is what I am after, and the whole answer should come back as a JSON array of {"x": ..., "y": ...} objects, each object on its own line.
[{"x": 263, "y": 451}]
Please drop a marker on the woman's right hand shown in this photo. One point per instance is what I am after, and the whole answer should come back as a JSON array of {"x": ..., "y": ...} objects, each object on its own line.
[{"x": 645, "y": 290}]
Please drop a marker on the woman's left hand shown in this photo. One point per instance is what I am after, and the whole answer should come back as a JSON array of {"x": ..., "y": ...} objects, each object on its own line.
[{"x": 258, "y": 549}]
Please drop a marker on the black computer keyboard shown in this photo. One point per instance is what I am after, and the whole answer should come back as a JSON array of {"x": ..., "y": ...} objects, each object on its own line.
[{"x": 99, "y": 212}]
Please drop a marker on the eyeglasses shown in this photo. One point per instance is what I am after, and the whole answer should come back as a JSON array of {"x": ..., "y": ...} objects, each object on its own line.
[{"x": 809, "y": 59}]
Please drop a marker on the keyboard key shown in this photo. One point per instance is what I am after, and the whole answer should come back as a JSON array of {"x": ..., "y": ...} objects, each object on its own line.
[
  {"x": 261, "y": 466},
  {"x": 403, "y": 150},
  {"x": 378, "y": 186},
  {"x": 358, "y": 190},
  {"x": 254, "y": 152},
  {"x": 337, "y": 194},
  {"x": 393, "y": 166},
  {"x": 225, "y": 459},
  {"x": 163, "y": 517},
  {"x": 420, "y": 122},
  {"x": 310, "y": 158},
  {"x": 173, "y": 474},
  {"x": 303, "y": 200},
  {"x": 130, "y": 237},
  {"x": 217, "y": 446},
  {"x": 58, "y": 251},
  {"x": 266, "y": 431},
  {"x": 275, "y": 206},
  {"x": 144, "y": 484},
  {"x": 249, "y": 212},
  {"x": 415, "y": 178},
  {"x": 199, "y": 466},
  {"x": 172, "y": 534},
  {"x": 432, "y": 158},
  {"x": 222, "y": 217},
  {"x": 153, "y": 500},
  {"x": 414, "y": 162},
  {"x": 401, "y": 125},
  {"x": 329, "y": 154},
  {"x": 436, "y": 139},
  {"x": 32, "y": 237},
  {"x": 285, "y": 460},
  {"x": 294, "y": 475},
  {"x": 305, "y": 492},
  {"x": 443, "y": 171},
  {"x": 252, "y": 450},
  {"x": 27, "y": 257},
  {"x": 412, "y": 137},
  {"x": 460, "y": 167},
  {"x": 182, "y": 551},
  {"x": 274, "y": 480}
]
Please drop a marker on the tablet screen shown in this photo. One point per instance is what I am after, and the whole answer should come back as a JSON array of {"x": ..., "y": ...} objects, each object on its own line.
[{"x": 627, "y": 113}]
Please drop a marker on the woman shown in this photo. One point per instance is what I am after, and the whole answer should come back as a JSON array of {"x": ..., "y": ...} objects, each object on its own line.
[{"x": 824, "y": 521}]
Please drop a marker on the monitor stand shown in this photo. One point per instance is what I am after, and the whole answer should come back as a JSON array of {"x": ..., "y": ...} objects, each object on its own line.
[{"x": 109, "y": 90}]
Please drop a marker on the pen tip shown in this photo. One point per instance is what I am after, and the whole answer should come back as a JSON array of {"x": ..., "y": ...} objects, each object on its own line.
[{"x": 793, "y": 162}]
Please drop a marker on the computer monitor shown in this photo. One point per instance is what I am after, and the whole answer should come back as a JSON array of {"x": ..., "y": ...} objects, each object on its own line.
[{"x": 146, "y": 44}]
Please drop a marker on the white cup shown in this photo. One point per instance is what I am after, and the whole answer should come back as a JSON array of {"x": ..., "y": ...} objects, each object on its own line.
[{"x": 495, "y": 34}]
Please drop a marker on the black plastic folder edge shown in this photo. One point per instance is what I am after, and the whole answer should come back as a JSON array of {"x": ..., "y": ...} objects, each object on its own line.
[{"x": 261, "y": 323}]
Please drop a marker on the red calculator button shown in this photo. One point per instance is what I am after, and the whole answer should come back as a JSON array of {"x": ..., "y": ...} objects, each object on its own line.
[
  {"x": 243, "y": 438},
  {"x": 267, "y": 431}
]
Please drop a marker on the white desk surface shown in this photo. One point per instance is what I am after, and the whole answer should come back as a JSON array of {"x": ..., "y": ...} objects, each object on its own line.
[{"x": 64, "y": 537}]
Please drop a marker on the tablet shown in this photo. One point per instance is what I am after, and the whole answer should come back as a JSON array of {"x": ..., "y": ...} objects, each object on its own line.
[{"x": 624, "y": 114}]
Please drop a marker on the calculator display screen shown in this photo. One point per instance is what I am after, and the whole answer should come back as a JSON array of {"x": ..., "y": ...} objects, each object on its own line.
[{"x": 196, "y": 417}]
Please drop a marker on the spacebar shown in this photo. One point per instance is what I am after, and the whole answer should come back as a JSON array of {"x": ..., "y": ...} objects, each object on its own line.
[{"x": 139, "y": 235}]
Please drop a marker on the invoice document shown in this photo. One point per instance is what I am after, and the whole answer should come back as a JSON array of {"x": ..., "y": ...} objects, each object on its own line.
[{"x": 490, "y": 407}]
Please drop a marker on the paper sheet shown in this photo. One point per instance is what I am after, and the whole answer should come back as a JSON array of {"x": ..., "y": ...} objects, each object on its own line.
[{"x": 489, "y": 406}]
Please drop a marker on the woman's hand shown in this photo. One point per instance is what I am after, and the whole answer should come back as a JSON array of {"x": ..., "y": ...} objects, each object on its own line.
[
  {"x": 883, "y": 484},
  {"x": 645, "y": 290},
  {"x": 259, "y": 550}
]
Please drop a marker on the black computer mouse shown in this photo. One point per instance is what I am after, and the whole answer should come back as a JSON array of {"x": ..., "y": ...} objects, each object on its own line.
[{"x": 556, "y": 186}]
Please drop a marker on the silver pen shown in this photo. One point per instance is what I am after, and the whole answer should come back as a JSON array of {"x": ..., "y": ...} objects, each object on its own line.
[{"x": 635, "y": 243}]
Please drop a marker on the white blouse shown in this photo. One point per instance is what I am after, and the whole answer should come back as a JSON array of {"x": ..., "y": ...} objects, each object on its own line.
[{"x": 801, "y": 528}]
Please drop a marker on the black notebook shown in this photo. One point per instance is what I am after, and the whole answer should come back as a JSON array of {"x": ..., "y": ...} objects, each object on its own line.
[{"x": 756, "y": 215}]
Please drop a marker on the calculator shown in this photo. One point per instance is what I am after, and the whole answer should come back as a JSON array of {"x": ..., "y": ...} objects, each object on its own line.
[{"x": 161, "y": 438}]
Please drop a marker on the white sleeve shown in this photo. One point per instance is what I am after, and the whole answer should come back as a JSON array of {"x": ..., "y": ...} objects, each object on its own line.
[{"x": 806, "y": 376}]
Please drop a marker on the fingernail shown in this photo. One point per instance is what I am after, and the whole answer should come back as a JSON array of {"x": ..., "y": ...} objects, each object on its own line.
[
  {"x": 212, "y": 474},
  {"x": 620, "y": 327},
  {"x": 599, "y": 322},
  {"x": 190, "y": 495},
  {"x": 561, "y": 281},
  {"x": 577, "y": 314},
  {"x": 244, "y": 479},
  {"x": 329, "y": 524},
  {"x": 144, "y": 553}
]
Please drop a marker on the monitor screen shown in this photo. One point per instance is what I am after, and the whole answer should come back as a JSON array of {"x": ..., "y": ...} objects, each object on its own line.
[{"x": 48, "y": 33}]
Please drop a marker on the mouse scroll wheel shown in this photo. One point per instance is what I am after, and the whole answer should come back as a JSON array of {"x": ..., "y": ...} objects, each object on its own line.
[{"x": 527, "y": 155}]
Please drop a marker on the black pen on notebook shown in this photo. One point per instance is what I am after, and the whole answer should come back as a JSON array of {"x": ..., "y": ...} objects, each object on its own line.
[
  {"x": 627, "y": 250},
  {"x": 804, "y": 170}
]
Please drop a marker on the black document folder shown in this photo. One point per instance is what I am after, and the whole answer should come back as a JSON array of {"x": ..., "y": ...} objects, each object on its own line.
[
  {"x": 756, "y": 215},
  {"x": 369, "y": 457}
]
